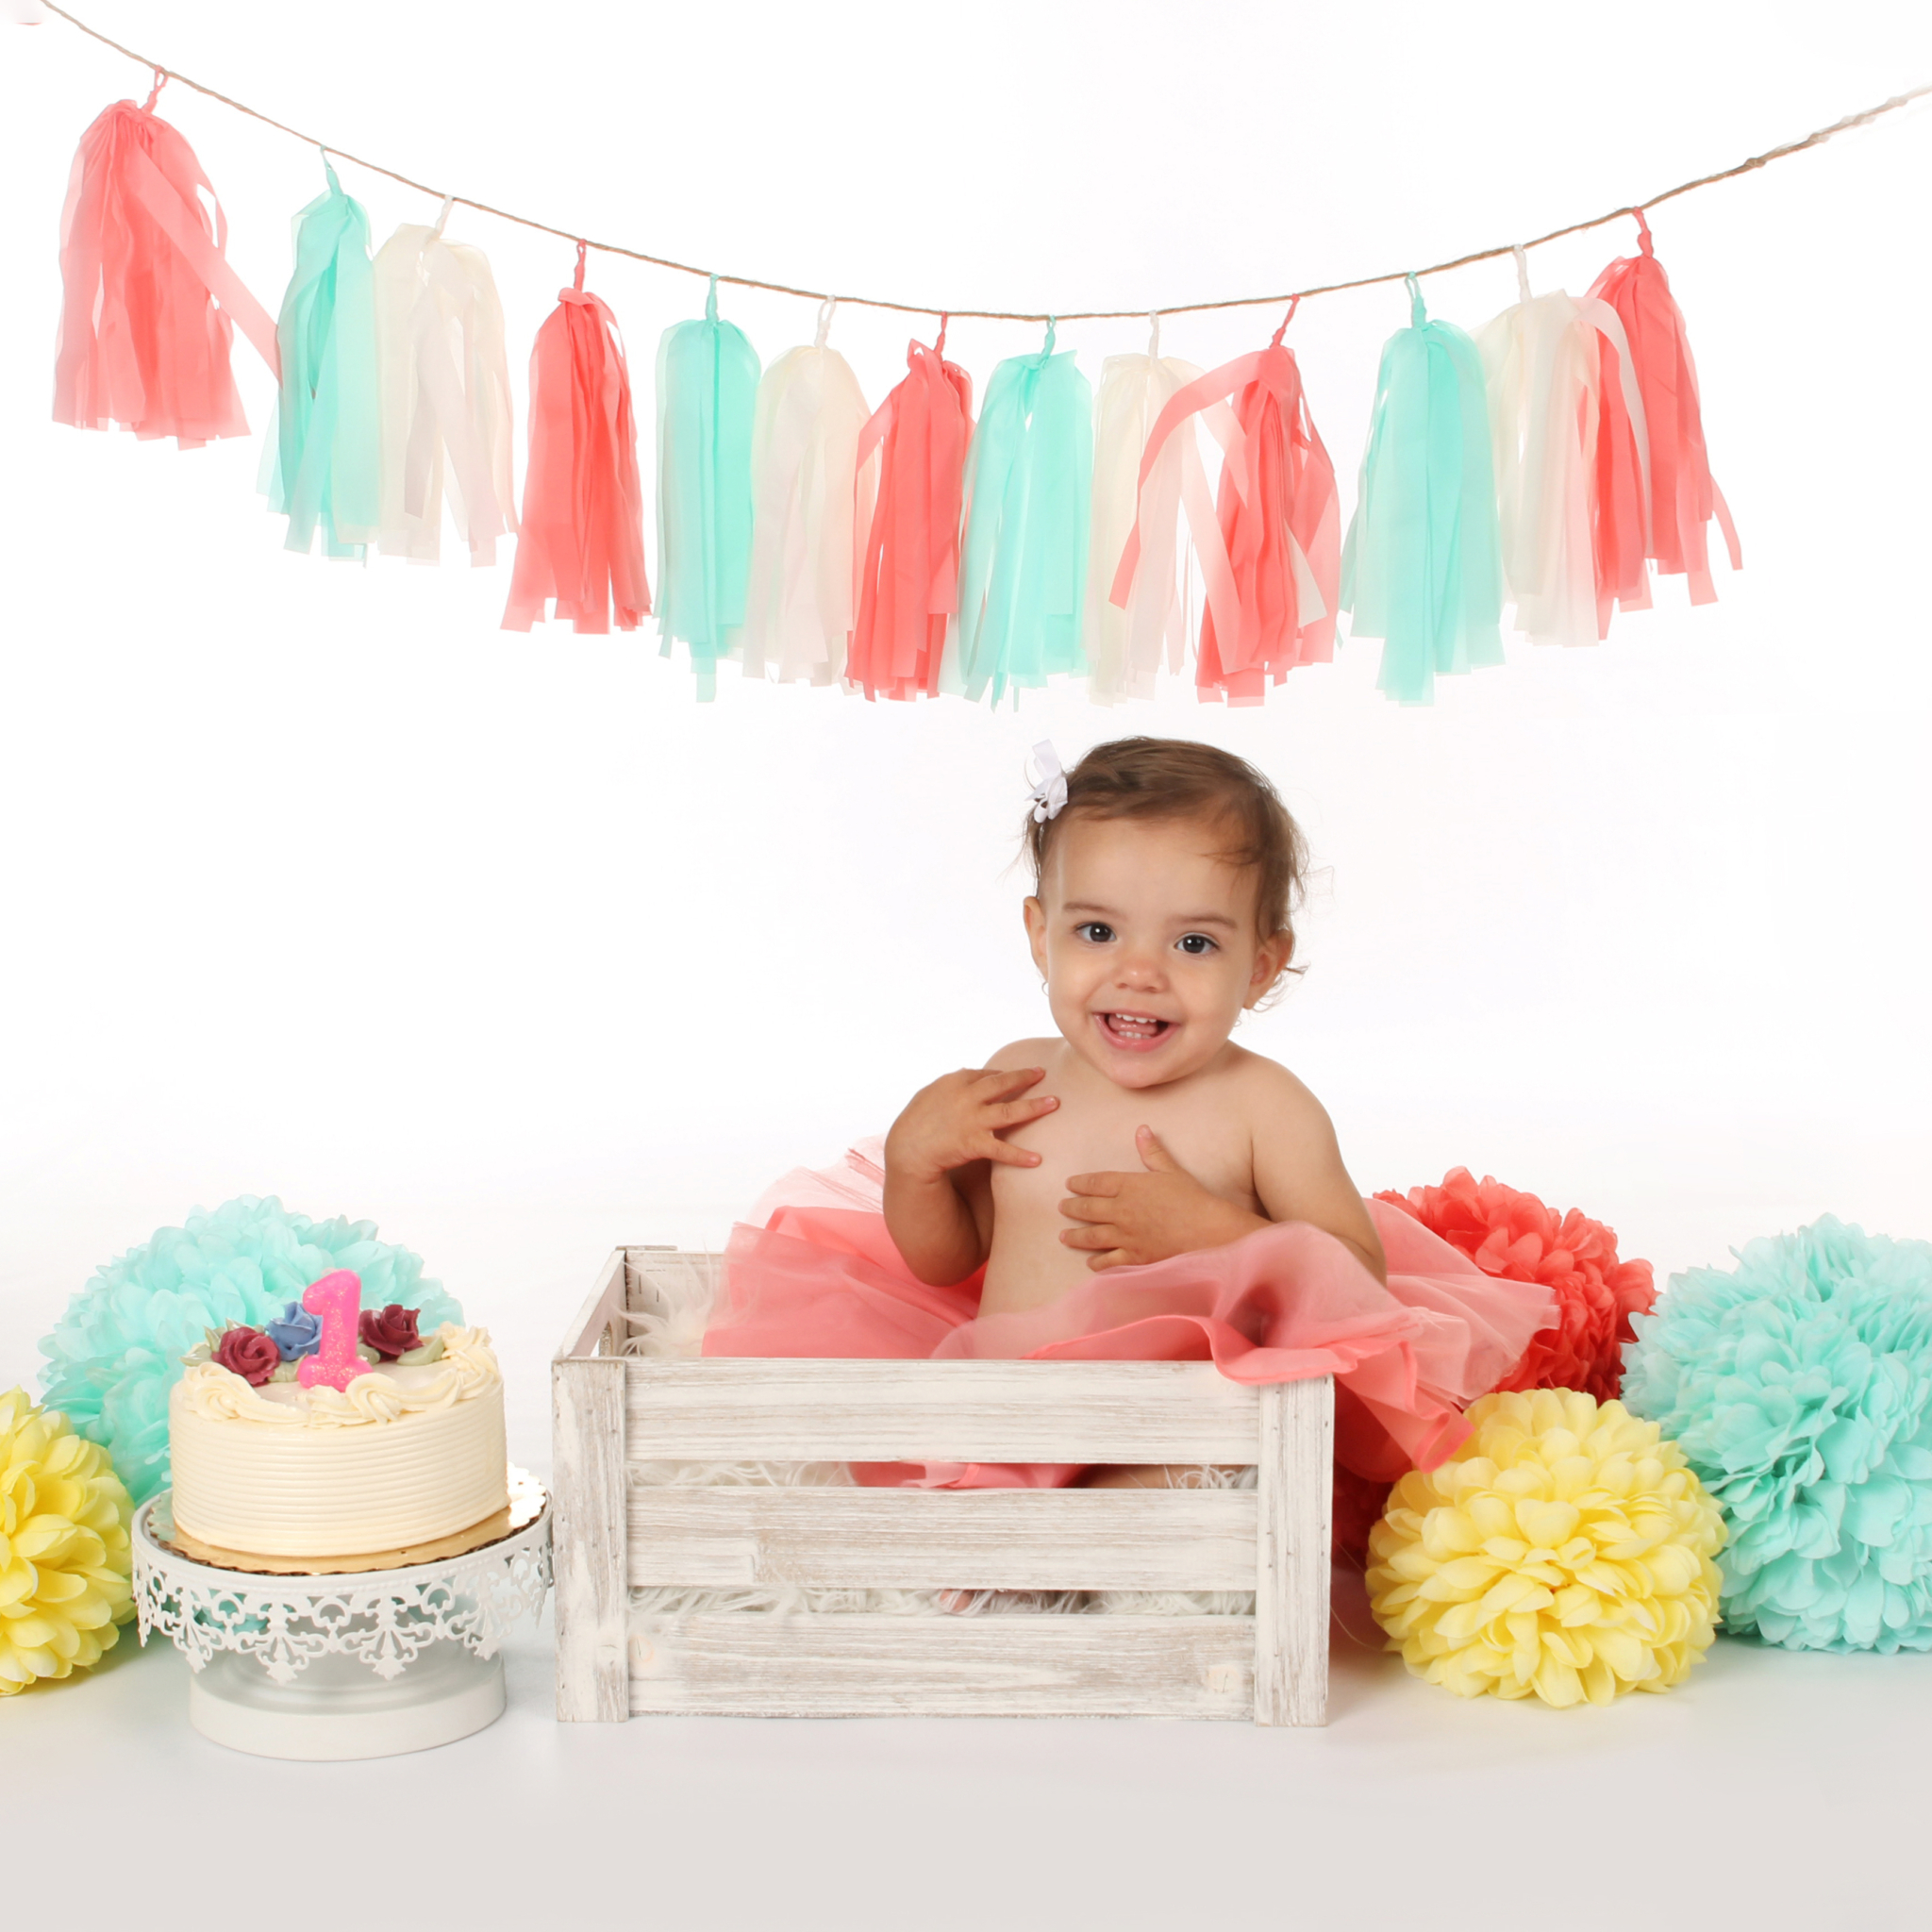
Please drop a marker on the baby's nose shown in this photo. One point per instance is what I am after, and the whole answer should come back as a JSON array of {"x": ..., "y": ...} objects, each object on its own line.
[{"x": 1140, "y": 970}]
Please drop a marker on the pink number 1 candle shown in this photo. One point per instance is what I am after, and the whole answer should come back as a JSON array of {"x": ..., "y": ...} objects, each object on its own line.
[{"x": 337, "y": 1299}]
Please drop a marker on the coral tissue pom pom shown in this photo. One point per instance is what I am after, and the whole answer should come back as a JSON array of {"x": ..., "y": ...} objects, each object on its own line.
[
  {"x": 1512, "y": 1234},
  {"x": 1564, "y": 1552}
]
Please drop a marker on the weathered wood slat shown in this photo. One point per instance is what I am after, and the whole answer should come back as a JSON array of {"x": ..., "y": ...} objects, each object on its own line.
[
  {"x": 988, "y": 1666},
  {"x": 931, "y": 1539},
  {"x": 592, "y": 1327},
  {"x": 588, "y": 1527},
  {"x": 948, "y": 1411},
  {"x": 1291, "y": 1553}
]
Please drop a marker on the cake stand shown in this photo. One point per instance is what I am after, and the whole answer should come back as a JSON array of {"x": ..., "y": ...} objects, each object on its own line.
[{"x": 365, "y": 1665}]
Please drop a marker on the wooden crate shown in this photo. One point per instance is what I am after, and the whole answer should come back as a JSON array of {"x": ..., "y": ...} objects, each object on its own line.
[{"x": 611, "y": 1409}]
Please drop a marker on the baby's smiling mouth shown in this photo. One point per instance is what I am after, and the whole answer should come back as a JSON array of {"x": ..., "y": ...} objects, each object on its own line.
[{"x": 1135, "y": 1032}]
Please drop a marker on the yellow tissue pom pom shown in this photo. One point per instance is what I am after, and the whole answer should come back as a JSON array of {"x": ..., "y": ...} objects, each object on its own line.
[
  {"x": 1564, "y": 1551},
  {"x": 65, "y": 1557}
]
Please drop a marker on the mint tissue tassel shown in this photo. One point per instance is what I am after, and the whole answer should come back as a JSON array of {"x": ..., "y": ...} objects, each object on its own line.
[
  {"x": 322, "y": 467},
  {"x": 708, "y": 385},
  {"x": 1022, "y": 567},
  {"x": 1423, "y": 567}
]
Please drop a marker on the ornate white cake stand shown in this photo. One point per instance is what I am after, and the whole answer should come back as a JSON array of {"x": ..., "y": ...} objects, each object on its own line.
[{"x": 365, "y": 1665}]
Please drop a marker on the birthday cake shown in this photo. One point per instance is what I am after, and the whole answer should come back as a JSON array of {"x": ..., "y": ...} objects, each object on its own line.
[{"x": 325, "y": 1437}]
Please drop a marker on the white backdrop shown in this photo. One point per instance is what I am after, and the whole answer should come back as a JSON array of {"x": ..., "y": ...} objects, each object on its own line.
[{"x": 316, "y": 883}]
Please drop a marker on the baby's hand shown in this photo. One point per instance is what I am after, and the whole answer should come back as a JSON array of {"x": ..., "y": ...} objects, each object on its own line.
[
  {"x": 957, "y": 1120},
  {"x": 1129, "y": 1218}
]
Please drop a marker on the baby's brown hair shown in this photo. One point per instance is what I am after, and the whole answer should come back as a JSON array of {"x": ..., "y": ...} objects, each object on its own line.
[{"x": 1175, "y": 778}]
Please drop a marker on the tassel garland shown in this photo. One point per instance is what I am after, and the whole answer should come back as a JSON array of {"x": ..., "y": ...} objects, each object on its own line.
[
  {"x": 1268, "y": 553},
  {"x": 1023, "y": 571},
  {"x": 908, "y": 571},
  {"x": 1683, "y": 495},
  {"x": 1421, "y": 568},
  {"x": 1126, "y": 644},
  {"x": 811, "y": 499},
  {"x": 1556, "y": 461},
  {"x": 446, "y": 413},
  {"x": 582, "y": 541},
  {"x": 322, "y": 467},
  {"x": 708, "y": 385},
  {"x": 149, "y": 303}
]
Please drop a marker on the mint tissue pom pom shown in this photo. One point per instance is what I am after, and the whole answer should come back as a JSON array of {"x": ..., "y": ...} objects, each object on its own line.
[
  {"x": 1799, "y": 1386},
  {"x": 117, "y": 1348}
]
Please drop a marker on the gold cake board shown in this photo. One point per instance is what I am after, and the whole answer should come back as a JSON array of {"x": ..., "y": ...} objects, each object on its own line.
[{"x": 526, "y": 1505}]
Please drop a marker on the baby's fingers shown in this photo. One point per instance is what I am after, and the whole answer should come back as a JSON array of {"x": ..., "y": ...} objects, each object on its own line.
[
  {"x": 1013, "y": 1113},
  {"x": 1082, "y": 1208},
  {"x": 1105, "y": 1185},
  {"x": 1005, "y": 1082},
  {"x": 1005, "y": 1152},
  {"x": 1103, "y": 1237}
]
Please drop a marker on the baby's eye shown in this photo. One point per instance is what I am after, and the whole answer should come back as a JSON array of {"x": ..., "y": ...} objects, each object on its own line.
[
  {"x": 1095, "y": 932},
  {"x": 1198, "y": 944}
]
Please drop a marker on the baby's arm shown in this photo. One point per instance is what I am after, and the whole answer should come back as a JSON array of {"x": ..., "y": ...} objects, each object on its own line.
[
  {"x": 1299, "y": 1175},
  {"x": 938, "y": 1155}
]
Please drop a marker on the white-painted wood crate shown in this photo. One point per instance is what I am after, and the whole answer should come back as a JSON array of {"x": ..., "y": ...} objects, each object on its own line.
[{"x": 611, "y": 1409}]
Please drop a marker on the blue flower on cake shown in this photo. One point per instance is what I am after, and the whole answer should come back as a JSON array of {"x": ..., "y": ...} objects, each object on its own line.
[
  {"x": 1799, "y": 1385},
  {"x": 296, "y": 1332},
  {"x": 118, "y": 1346}
]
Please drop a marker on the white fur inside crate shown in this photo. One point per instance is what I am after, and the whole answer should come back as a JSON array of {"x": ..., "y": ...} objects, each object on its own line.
[{"x": 758, "y": 1578}]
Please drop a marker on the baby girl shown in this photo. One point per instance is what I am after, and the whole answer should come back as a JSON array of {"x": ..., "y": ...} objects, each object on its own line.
[
  {"x": 1166, "y": 876},
  {"x": 1139, "y": 1187}
]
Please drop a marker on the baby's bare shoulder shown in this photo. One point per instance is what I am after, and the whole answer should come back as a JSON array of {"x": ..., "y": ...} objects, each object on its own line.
[{"x": 1268, "y": 1087}]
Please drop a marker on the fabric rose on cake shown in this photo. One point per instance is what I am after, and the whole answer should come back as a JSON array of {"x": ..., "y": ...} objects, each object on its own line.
[
  {"x": 299, "y": 1332},
  {"x": 390, "y": 1331},
  {"x": 248, "y": 1353},
  {"x": 1512, "y": 1234}
]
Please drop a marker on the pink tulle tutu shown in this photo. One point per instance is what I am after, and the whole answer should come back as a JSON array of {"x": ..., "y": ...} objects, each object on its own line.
[{"x": 816, "y": 1273}]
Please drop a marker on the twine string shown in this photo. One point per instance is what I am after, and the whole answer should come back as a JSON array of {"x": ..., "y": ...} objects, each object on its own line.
[{"x": 1783, "y": 151}]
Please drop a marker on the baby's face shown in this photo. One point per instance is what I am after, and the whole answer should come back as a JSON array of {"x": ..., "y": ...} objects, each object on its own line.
[{"x": 1147, "y": 940}]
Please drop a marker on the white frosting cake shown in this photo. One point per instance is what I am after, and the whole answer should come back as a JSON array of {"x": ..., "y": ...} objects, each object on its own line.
[{"x": 401, "y": 1456}]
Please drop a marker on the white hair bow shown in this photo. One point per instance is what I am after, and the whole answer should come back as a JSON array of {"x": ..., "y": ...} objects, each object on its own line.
[{"x": 1050, "y": 793}]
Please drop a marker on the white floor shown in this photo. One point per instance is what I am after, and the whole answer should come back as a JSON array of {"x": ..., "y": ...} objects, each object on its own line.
[{"x": 1775, "y": 1790}]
